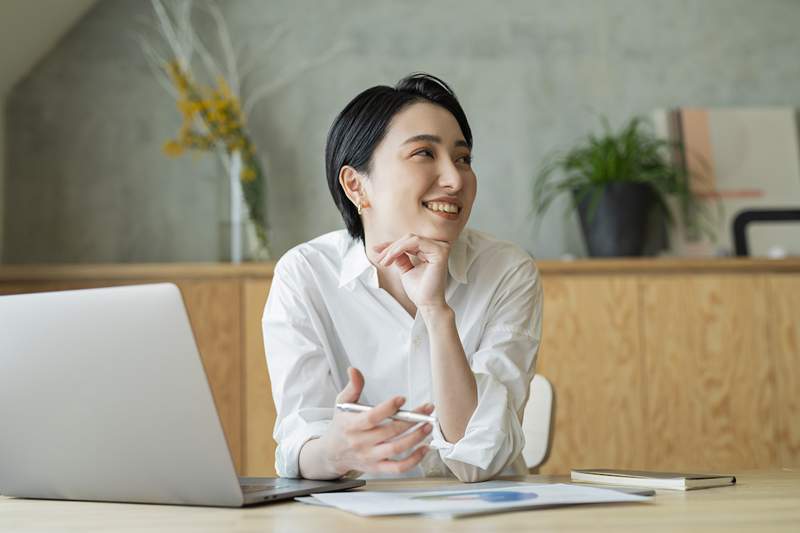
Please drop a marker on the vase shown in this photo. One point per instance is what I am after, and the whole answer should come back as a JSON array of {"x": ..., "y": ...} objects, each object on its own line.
[
  {"x": 618, "y": 225},
  {"x": 241, "y": 234},
  {"x": 254, "y": 249},
  {"x": 237, "y": 207}
]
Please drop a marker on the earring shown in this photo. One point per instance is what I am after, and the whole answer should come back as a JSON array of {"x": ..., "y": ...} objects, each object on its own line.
[{"x": 360, "y": 209}]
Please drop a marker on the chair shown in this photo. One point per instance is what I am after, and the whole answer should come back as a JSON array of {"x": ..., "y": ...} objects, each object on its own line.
[
  {"x": 537, "y": 423},
  {"x": 747, "y": 216}
]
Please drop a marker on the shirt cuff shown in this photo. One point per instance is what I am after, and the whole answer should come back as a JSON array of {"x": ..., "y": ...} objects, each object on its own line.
[{"x": 491, "y": 435}]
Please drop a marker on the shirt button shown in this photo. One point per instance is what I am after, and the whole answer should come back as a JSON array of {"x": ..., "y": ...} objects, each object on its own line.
[{"x": 415, "y": 342}]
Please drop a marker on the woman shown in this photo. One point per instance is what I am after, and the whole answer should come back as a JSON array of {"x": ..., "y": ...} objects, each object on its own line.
[{"x": 405, "y": 306}]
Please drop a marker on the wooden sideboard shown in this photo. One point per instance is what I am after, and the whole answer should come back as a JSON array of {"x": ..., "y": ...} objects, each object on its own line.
[{"x": 656, "y": 363}]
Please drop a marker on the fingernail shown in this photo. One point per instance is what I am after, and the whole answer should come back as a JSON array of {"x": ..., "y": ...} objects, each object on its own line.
[
  {"x": 399, "y": 401},
  {"x": 427, "y": 428}
]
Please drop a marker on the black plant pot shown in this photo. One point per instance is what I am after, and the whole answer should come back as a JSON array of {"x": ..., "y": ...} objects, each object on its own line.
[{"x": 618, "y": 227}]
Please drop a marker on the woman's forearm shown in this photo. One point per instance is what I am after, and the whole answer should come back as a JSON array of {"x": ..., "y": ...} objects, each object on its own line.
[{"x": 454, "y": 389}]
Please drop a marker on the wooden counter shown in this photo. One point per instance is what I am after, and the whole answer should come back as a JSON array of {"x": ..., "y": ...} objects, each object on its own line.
[{"x": 656, "y": 363}]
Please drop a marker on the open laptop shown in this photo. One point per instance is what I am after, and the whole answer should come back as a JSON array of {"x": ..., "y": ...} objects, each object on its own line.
[{"x": 103, "y": 397}]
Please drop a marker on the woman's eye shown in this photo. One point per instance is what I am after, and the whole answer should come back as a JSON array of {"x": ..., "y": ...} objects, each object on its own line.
[
  {"x": 428, "y": 152},
  {"x": 467, "y": 159}
]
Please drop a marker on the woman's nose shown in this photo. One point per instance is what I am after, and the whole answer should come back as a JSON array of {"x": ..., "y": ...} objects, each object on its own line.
[{"x": 450, "y": 177}]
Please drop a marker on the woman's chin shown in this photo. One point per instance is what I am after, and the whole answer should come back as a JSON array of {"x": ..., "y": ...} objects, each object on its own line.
[{"x": 440, "y": 234}]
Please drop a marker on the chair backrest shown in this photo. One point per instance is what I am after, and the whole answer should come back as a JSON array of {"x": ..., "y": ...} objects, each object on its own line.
[
  {"x": 536, "y": 422},
  {"x": 748, "y": 216}
]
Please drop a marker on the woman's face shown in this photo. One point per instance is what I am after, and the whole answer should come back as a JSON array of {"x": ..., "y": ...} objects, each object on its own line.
[{"x": 421, "y": 178}]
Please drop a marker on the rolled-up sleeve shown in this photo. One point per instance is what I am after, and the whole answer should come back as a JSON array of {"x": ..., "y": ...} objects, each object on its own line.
[
  {"x": 503, "y": 366},
  {"x": 302, "y": 383}
]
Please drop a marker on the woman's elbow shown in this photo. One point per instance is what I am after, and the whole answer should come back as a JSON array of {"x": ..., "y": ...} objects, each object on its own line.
[{"x": 466, "y": 473}]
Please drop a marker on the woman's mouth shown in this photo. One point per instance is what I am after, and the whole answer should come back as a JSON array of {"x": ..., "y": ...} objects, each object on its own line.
[{"x": 443, "y": 209}]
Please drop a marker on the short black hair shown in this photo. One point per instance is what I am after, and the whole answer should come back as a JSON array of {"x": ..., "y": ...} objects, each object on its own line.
[{"x": 362, "y": 124}]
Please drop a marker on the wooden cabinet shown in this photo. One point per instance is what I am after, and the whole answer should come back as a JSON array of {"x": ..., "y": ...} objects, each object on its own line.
[
  {"x": 783, "y": 312},
  {"x": 590, "y": 353},
  {"x": 709, "y": 372},
  {"x": 674, "y": 365},
  {"x": 661, "y": 364}
]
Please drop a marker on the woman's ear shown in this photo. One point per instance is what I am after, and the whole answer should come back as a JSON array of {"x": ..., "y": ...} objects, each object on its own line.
[{"x": 351, "y": 182}]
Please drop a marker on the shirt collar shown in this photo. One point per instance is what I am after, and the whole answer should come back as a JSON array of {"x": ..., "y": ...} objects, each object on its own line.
[{"x": 355, "y": 261}]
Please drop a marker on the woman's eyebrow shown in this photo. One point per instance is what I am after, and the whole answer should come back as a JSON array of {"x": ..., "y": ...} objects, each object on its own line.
[{"x": 434, "y": 139}]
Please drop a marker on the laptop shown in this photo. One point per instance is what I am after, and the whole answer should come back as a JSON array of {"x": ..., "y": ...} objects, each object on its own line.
[{"x": 103, "y": 397}]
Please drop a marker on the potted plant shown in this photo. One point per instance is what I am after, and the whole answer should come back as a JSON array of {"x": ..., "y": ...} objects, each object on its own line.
[{"x": 620, "y": 183}]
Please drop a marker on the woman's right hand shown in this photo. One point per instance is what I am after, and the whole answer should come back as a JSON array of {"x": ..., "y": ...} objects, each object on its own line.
[{"x": 364, "y": 442}]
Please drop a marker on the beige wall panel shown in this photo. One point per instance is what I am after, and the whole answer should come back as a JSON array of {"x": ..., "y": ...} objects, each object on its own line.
[
  {"x": 259, "y": 409},
  {"x": 710, "y": 379},
  {"x": 784, "y": 322},
  {"x": 590, "y": 352}
]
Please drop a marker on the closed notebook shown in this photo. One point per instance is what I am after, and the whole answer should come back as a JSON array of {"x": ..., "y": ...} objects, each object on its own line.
[{"x": 655, "y": 480}]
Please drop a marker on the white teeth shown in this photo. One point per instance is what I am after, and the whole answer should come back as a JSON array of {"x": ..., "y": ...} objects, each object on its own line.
[{"x": 441, "y": 206}]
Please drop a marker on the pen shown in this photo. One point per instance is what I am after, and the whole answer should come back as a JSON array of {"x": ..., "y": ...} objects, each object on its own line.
[{"x": 404, "y": 416}]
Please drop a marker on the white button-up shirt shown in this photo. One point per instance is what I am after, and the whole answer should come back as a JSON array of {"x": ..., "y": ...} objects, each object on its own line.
[{"x": 326, "y": 312}]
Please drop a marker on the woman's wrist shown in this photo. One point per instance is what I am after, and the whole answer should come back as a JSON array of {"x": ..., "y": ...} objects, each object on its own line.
[
  {"x": 436, "y": 314},
  {"x": 331, "y": 465},
  {"x": 315, "y": 462}
]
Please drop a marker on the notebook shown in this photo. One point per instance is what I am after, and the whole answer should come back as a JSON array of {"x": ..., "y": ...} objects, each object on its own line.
[{"x": 655, "y": 480}]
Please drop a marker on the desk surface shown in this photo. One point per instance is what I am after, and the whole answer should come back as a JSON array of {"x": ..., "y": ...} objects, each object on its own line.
[{"x": 761, "y": 501}]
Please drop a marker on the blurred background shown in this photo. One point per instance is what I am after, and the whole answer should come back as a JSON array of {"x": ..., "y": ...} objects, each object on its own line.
[{"x": 84, "y": 119}]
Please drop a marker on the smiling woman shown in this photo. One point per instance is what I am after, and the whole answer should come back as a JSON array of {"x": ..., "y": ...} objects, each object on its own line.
[{"x": 404, "y": 306}]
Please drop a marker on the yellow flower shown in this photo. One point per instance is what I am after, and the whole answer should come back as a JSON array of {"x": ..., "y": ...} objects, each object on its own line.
[
  {"x": 178, "y": 76},
  {"x": 248, "y": 174},
  {"x": 173, "y": 148},
  {"x": 188, "y": 108},
  {"x": 223, "y": 87}
]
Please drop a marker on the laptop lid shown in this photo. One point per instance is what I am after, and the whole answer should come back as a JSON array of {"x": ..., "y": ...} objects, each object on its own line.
[{"x": 103, "y": 396}]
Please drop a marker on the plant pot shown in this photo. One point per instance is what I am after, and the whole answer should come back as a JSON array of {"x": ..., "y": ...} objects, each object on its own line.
[{"x": 618, "y": 225}]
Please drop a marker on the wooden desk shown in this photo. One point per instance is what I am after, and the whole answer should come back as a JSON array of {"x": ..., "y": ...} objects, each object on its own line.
[{"x": 761, "y": 501}]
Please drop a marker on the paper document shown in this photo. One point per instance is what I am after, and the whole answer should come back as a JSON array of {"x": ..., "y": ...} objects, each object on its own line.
[{"x": 459, "y": 503}]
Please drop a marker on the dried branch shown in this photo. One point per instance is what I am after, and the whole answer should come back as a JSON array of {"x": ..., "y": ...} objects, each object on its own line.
[
  {"x": 267, "y": 89},
  {"x": 207, "y": 57},
  {"x": 171, "y": 35},
  {"x": 226, "y": 45},
  {"x": 250, "y": 65},
  {"x": 156, "y": 63}
]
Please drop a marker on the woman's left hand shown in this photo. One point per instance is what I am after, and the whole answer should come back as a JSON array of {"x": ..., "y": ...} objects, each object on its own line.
[{"x": 423, "y": 267}]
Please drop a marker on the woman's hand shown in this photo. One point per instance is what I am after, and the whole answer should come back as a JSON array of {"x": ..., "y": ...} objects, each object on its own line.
[
  {"x": 366, "y": 441},
  {"x": 423, "y": 266}
]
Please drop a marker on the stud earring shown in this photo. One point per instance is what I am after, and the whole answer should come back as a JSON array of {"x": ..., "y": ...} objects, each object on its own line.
[{"x": 360, "y": 209}]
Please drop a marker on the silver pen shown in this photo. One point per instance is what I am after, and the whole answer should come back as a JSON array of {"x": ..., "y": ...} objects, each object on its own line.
[{"x": 403, "y": 416}]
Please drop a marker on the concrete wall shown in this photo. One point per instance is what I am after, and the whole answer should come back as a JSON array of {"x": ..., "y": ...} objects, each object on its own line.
[
  {"x": 27, "y": 31},
  {"x": 89, "y": 182}
]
